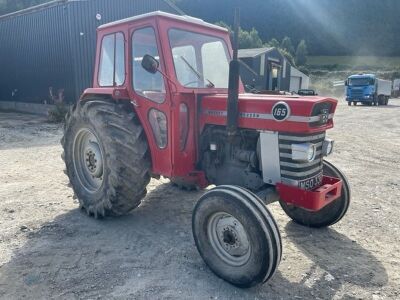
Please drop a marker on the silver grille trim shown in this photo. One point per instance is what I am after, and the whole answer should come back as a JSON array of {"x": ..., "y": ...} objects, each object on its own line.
[
  {"x": 299, "y": 165},
  {"x": 293, "y": 172},
  {"x": 301, "y": 174},
  {"x": 276, "y": 158},
  {"x": 289, "y": 155},
  {"x": 289, "y": 147},
  {"x": 301, "y": 138}
]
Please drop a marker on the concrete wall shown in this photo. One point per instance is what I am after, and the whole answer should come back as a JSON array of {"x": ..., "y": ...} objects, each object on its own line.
[{"x": 33, "y": 108}]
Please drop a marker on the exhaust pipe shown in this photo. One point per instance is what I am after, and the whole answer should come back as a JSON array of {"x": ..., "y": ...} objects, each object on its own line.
[{"x": 233, "y": 88}]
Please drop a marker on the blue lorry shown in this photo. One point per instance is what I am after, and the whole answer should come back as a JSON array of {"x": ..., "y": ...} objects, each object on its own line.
[{"x": 368, "y": 90}]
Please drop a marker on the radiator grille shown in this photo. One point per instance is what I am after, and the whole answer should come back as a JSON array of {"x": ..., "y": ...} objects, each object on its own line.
[
  {"x": 292, "y": 172},
  {"x": 357, "y": 94}
]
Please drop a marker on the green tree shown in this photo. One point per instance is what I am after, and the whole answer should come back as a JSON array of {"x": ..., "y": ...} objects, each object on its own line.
[
  {"x": 287, "y": 45},
  {"x": 247, "y": 39},
  {"x": 301, "y": 53},
  {"x": 273, "y": 43}
]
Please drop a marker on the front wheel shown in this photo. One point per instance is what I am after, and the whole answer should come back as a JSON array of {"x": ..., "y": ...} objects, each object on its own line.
[
  {"x": 330, "y": 214},
  {"x": 236, "y": 236}
]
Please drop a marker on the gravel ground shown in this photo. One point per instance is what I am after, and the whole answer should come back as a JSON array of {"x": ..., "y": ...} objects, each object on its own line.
[{"x": 50, "y": 249}]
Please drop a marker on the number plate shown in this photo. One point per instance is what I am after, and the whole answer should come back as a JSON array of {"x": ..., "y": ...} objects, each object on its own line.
[{"x": 311, "y": 183}]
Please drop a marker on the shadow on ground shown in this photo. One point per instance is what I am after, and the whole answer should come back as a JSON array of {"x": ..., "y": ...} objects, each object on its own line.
[{"x": 151, "y": 254}]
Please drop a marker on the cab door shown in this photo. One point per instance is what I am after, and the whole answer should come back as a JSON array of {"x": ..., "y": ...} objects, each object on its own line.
[{"x": 150, "y": 95}]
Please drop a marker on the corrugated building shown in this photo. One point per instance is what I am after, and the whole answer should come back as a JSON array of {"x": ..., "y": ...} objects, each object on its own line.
[
  {"x": 266, "y": 69},
  {"x": 49, "y": 50}
]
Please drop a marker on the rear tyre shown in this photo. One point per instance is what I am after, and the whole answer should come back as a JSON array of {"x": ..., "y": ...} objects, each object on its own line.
[
  {"x": 236, "y": 235},
  {"x": 106, "y": 157},
  {"x": 354, "y": 103},
  {"x": 328, "y": 215}
]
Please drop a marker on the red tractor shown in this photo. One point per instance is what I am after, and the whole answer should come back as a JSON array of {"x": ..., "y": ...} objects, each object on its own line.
[{"x": 167, "y": 101}]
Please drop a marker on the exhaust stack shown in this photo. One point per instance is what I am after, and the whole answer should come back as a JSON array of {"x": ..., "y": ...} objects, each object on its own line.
[{"x": 233, "y": 88}]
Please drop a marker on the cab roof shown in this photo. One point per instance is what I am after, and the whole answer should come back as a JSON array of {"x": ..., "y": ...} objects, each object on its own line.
[{"x": 162, "y": 14}]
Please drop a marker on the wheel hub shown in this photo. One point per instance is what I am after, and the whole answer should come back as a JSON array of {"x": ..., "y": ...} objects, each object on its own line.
[
  {"x": 229, "y": 239},
  {"x": 88, "y": 160},
  {"x": 94, "y": 161},
  {"x": 232, "y": 236}
]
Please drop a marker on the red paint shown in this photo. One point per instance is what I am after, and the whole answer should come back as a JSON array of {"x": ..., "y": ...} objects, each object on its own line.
[
  {"x": 314, "y": 200},
  {"x": 253, "y": 103}
]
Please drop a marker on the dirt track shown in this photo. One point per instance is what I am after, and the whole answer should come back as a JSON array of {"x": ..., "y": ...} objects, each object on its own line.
[{"x": 50, "y": 249}]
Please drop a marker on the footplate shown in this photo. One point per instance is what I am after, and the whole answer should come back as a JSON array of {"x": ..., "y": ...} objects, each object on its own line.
[{"x": 313, "y": 200}]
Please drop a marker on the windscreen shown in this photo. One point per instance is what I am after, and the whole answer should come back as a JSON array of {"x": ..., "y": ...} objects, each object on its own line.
[
  {"x": 201, "y": 61},
  {"x": 361, "y": 81}
]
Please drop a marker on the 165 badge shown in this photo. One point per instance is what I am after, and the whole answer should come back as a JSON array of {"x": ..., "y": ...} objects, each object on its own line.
[{"x": 281, "y": 111}]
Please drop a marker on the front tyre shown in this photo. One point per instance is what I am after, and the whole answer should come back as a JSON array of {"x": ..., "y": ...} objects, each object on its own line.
[
  {"x": 106, "y": 157},
  {"x": 330, "y": 214},
  {"x": 236, "y": 236}
]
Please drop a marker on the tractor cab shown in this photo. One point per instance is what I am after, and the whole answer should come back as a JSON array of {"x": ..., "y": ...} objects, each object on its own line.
[{"x": 193, "y": 60}]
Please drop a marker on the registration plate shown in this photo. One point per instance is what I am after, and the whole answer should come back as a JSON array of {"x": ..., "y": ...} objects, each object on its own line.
[{"x": 311, "y": 183}]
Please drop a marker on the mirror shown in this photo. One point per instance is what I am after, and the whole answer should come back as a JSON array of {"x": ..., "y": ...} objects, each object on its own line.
[
  {"x": 150, "y": 64},
  {"x": 346, "y": 83}
]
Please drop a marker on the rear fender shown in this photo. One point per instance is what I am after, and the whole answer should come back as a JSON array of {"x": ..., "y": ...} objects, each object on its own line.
[{"x": 112, "y": 93}]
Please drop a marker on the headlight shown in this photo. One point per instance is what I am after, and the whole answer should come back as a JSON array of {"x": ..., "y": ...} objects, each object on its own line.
[
  {"x": 311, "y": 153},
  {"x": 327, "y": 147},
  {"x": 304, "y": 152}
]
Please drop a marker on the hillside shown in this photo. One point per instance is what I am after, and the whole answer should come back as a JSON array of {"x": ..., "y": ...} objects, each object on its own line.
[{"x": 339, "y": 27}]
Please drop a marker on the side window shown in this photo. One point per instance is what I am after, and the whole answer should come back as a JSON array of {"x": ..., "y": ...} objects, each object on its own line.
[
  {"x": 112, "y": 60},
  {"x": 144, "y": 83}
]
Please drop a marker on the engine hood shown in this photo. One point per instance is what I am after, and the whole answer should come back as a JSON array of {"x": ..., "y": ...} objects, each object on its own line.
[{"x": 284, "y": 113}]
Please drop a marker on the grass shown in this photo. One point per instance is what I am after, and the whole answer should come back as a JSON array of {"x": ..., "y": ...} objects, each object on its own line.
[
  {"x": 325, "y": 70},
  {"x": 341, "y": 62}
]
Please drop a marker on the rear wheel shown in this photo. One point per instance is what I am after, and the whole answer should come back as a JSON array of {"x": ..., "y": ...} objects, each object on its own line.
[
  {"x": 348, "y": 103},
  {"x": 354, "y": 103},
  {"x": 330, "y": 214},
  {"x": 236, "y": 236},
  {"x": 106, "y": 157}
]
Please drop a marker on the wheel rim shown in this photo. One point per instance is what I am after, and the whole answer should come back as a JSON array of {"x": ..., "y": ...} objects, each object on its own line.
[
  {"x": 228, "y": 239},
  {"x": 88, "y": 160}
]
